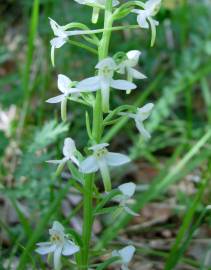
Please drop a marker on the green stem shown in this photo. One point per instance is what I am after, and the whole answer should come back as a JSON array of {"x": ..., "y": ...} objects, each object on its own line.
[
  {"x": 97, "y": 134},
  {"x": 98, "y": 31},
  {"x": 27, "y": 88}
]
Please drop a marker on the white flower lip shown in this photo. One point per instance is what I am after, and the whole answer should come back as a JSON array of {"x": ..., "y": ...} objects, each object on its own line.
[{"x": 59, "y": 245}]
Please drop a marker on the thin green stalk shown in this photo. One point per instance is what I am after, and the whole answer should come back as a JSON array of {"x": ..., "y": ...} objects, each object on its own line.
[
  {"x": 88, "y": 218},
  {"x": 26, "y": 74},
  {"x": 98, "y": 31},
  {"x": 83, "y": 46},
  {"x": 97, "y": 133},
  {"x": 189, "y": 111},
  {"x": 207, "y": 97}
]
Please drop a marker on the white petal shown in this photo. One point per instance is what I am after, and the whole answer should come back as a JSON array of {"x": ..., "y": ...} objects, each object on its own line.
[
  {"x": 133, "y": 56},
  {"x": 136, "y": 74},
  {"x": 57, "y": 257},
  {"x": 98, "y": 146},
  {"x": 145, "y": 111},
  {"x": 74, "y": 91},
  {"x": 130, "y": 211},
  {"x": 142, "y": 19},
  {"x": 124, "y": 267},
  {"x": 115, "y": 253},
  {"x": 57, "y": 226},
  {"x": 45, "y": 248},
  {"x": 137, "y": 11},
  {"x": 115, "y": 3},
  {"x": 128, "y": 189},
  {"x": 56, "y": 161},
  {"x": 116, "y": 159},
  {"x": 89, "y": 165},
  {"x": 142, "y": 130},
  {"x": 69, "y": 147},
  {"x": 82, "y": 2},
  {"x": 153, "y": 5},
  {"x": 56, "y": 99},
  {"x": 43, "y": 244},
  {"x": 90, "y": 84},
  {"x": 122, "y": 85},
  {"x": 58, "y": 42},
  {"x": 107, "y": 62},
  {"x": 64, "y": 83},
  {"x": 54, "y": 26},
  {"x": 69, "y": 248},
  {"x": 127, "y": 254}
]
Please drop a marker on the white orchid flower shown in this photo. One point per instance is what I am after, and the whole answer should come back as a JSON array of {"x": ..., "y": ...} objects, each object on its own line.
[
  {"x": 145, "y": 17},
  {"x": 59, "y": 245},
  {"x": 69, "y": 152},
  {"x": 101, "y": 160},
  {"x": 140, "y": 116},
  {"x": 128, "y": 64},
  {"x": 124, "y": 199},
  {"x": 105, "y": 80},
  {"x": 65, "y": 85},
  {"x": 61, "y": 37},
  {"x": 126, "y": 254}
]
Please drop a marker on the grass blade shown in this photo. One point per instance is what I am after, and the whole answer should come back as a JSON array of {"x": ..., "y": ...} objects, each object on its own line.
[
  {"x": 158, "y": 187},
  {"x": 175, "y": 255},
  {"x": 29, "y": 58}
]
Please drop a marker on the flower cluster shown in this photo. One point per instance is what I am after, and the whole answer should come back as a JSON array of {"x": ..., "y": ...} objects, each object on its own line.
[
  {"x": 116, "y": 72},
  {"x": 59, "y": 245}
]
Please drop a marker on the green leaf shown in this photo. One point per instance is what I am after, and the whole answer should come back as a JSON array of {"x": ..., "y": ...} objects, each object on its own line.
[{"x": 47, "y": 135}]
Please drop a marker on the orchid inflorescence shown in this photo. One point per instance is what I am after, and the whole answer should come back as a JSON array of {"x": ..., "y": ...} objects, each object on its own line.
[{"x": 109, "y": 71}]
